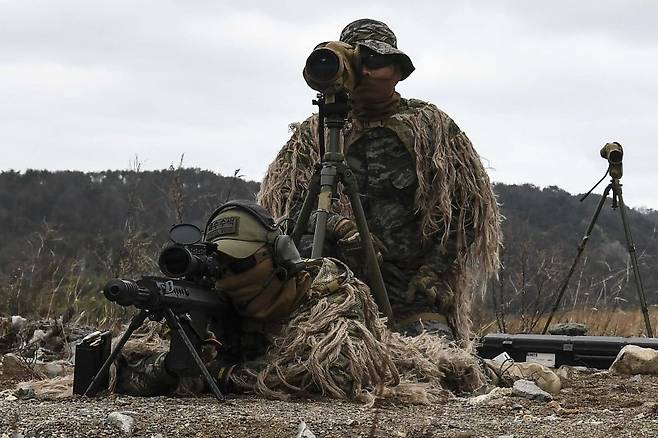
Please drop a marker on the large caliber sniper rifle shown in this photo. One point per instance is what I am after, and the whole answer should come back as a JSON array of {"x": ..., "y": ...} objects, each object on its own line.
[{"x": 185, "y": 299}]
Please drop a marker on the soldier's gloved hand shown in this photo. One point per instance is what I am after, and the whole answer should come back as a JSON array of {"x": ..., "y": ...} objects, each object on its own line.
[
  {"x": 425, "y": 282},
  {"x": 350, "y": 245}
]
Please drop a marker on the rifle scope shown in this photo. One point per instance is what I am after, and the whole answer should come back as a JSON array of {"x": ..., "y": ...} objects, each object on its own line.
[{"x": 178, "y": 261}]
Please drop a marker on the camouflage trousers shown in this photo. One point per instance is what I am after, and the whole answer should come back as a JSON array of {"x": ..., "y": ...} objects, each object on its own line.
[
  {"x": 144, "y": 377},
  {"x": 147, "y": 375}
]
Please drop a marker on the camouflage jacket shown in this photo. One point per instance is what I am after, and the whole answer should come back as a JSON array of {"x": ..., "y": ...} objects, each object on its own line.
[{"x": 425, "y": 193}]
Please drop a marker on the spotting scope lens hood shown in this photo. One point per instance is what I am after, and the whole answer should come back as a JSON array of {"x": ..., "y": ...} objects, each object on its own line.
[
  {"x": 613, "y": 152},
  {"x": 322, "y": 65}
]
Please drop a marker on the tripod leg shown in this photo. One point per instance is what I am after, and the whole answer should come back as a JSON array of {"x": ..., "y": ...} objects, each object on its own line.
[
  {"x": 307, "y": 207},
  {"x": 328, "y": 182},
  {"x": 174, "y": 324},
  {"x": 135, "y": 322},
  {"x": 581, "y": 248},
  {"x": 374, "y": 273},
  {"x": 616, "y": 190}
]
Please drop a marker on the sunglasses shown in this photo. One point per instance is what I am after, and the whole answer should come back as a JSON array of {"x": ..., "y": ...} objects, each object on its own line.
[{"x": 374, "y": 61}]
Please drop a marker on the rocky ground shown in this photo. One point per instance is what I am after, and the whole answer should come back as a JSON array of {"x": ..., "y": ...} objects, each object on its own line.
[{"x": 593, "y": 404}]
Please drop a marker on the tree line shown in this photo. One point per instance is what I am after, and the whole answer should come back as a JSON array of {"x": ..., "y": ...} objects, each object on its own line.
[{"x": 64, "y": 233}]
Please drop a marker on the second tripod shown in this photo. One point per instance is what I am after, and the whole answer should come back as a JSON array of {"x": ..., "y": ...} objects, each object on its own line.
[{"x": 613, "y": 153}]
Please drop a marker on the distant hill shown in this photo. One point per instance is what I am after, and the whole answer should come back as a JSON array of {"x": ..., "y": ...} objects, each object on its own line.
[{"x": 59, "y": 227}]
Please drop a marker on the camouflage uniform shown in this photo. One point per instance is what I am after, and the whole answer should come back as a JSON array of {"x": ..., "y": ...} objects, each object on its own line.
[
  {"x": 402, "y": 180},
  {"x": 386, "y": 174},
  {"x": 385, "y": 170}
]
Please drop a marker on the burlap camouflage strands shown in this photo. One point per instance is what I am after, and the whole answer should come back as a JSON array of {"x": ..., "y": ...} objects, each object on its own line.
[
  {"x": 334, "y": 345},
  {"x": 376, "y": 36},
  {"x": 453, "y": 195}
]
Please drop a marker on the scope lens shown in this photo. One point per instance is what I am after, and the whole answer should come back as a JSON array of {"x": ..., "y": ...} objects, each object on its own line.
[
  {"x": 174, "y": 261},
  {"x": 615, "y": 156},
  {"x": 322, "y": 65}
]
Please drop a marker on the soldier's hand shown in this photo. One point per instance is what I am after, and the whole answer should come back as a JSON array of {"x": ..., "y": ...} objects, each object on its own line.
[
  {"x": 345, "y": 228},
  {"x": 350, "y": 244},
  {"x": 424, "y": 282}
]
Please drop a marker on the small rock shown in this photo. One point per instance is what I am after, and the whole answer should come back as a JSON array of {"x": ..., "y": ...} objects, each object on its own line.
[
  {"x": 637, "y": 379},
  {"x": 487, "y": 398},
  {"x": 567, "y": 373},
  {"x": 122, "y": 422},
  {"x": 12, "y": 364},
  {"x": 304, "y": 432},
  {"x": 24, "y": 392},
  {"x": 11, "y": 398},
  {"x": 17, "y": 322},
  {"x": 58, "y": 368},
  {"x": 650, "y": 407},
  {"x": 38, "y": 336},
  {"x": 528, "y": 389},
  {"x": 635, "y": 360}
]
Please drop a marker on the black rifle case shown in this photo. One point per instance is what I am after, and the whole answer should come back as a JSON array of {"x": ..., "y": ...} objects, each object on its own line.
[{"x": 556, "y": 350}]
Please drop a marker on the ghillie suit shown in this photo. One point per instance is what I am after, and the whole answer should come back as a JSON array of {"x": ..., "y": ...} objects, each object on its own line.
[
  {"x": 336, "y": 345},
  {"x": 426, "y": 196}
]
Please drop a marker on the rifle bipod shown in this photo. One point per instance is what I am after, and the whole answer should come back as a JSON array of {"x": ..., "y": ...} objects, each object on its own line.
[
  {"x": 174, "y": 323},
  {"x": 617, "y": 202},
  {"x": 324, "y": 184}
]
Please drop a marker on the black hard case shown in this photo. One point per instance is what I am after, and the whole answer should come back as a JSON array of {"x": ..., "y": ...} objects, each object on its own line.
[
  {"x": 590, "y": 351},
  {"x": 88, "y": 361}
]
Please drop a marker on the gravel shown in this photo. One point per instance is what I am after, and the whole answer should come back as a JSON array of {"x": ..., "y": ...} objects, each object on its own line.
[{"x": 592, "y": 405}]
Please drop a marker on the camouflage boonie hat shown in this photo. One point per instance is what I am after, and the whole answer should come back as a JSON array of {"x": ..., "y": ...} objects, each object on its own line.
[
  {"x": 378, "y": 37},
  {"x": 240, "y": 228}
]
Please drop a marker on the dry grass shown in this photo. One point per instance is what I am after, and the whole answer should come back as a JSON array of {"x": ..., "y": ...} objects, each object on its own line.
[{"x": 599, "y": 322}]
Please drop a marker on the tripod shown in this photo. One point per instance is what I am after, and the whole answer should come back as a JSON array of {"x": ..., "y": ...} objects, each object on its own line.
[
  {"x": 617, "y": 202},
  {"x": 333, "y": 109}
]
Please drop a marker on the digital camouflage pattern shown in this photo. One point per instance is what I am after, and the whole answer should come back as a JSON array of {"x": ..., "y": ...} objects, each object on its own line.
[
  {"x": 376, "y": 36},
  {"x": 426, "y": 195}
]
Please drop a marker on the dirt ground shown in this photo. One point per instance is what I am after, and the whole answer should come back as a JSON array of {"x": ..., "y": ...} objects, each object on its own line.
[{"x": 593, "y": 404}]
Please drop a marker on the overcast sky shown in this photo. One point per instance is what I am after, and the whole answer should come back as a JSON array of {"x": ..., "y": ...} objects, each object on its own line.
[{"x": 538, "y": 86}]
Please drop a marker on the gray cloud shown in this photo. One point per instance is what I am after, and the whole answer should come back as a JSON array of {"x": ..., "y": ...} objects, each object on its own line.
[{"x": 538, "y": 87}]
